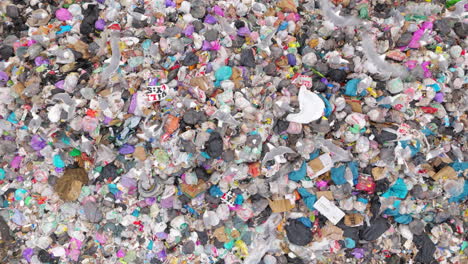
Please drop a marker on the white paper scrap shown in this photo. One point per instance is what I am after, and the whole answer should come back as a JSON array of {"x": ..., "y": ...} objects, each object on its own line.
[{"x": 329, "y": 210}]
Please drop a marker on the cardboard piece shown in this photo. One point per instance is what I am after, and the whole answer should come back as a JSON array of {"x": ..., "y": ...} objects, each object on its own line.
[
  {"x": 221, "y": 235},
  {"x": 326, "y": 194},
  {"x": 443, "y": 158},
  {"x": 316, "y": 165},
  {"x": 379, "y": 173},
  {"x": 353, "y": 220},
  {"x": 68, "y": 187},
  {"x": 428, "y": 168},
  {"x": 332, "y": 232},
  {"x": 446, "y": 173},
  {"x": 235, "y": 234},
  {"x": 75, "y": 190},
  {"x": 193, "y": 191},
  {"x": 356, "y": 105},
  {"x": 320, "y": 165},
  {"x": 280, "y": 206},
  {"x": 436, "y": 162},
  {"x": 201, "y": 82},
  {"x": 140, "y": 153}
]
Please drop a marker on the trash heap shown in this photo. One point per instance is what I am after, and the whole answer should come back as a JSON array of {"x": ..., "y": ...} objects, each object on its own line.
[{"x": 236, "y": 131}]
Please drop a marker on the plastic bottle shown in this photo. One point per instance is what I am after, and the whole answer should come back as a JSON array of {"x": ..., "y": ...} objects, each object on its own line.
[
  {"x": 112, "y": 11},
  {"x": 259, "y": 206},
  {"x": 5, "y": 126},
  {"x": 38, "y": 17},
  {"x": 360, "y": 206},
  {"x": 54, "y": 113},
  {"x": 434, "y": 153},
  {"x": 105, "y": 154},
  {"x": 75, "y": 10}
]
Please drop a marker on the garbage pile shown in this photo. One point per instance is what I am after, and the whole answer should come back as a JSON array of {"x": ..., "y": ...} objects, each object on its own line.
[{"x": 236, "y": 131}]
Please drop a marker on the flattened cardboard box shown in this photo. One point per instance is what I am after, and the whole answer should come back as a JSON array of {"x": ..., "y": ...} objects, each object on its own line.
[
  {"x": 378, "y": 173},
  {"x": 353, "y": 219},
  {"x": 320, "y": 165},
  {"x": 446, "y": 173},
  {"x": 429, "y": 169},
  {"x": 326, "y": 194},
  {"x": 280, "y": 206}
]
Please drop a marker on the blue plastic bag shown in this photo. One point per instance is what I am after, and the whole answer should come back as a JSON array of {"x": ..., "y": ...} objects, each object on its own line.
[
  {"x": 399, "y": 190},
  {"x": 299, "y": 174},
  {"x": 338, "y": 175}
]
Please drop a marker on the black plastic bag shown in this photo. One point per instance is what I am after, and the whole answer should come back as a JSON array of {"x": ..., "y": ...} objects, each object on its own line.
[
  {"x": 378, "y": 226},
  {"x": 298, "y": 233}
]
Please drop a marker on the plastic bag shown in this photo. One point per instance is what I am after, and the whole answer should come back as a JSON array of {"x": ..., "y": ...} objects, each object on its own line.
[
  {"x": 115, "y": 59},
  {"x": 311, "y": 107}
]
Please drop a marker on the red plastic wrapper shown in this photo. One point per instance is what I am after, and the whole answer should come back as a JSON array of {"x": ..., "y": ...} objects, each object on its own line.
[
  {"x": 429, "y": 110},
  {"x": 366, "y": 183}
]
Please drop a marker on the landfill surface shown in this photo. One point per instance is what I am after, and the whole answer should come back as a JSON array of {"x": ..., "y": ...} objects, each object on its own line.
[{"x": 236, "y": 131}]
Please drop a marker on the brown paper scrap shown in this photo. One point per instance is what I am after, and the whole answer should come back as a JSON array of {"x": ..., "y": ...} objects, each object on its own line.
[
  {"x": 327, "y": 194},
  {"x": 280, "y": 206},
  {"x": 68, "y": 187},
  {"x": 446, "y": 173},
  {"x": 316, "y": 164}
]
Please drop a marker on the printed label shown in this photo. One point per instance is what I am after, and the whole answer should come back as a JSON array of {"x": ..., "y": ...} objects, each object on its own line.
[
  {"x": 319, "y": 165},
  {"x": 404, "y": 130},
  {"x": 303, "y": 80},
  {"x": 201, "y": 72},
  {"x": 329, "y": 210},
  {"x": 228, "y": 198},
  {"x": 157, "y": 93}
]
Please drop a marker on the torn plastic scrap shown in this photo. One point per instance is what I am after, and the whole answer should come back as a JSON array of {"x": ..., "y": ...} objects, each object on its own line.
[{"x": 311, "y": 107}]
